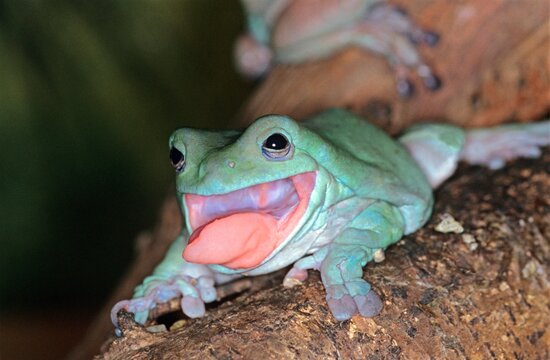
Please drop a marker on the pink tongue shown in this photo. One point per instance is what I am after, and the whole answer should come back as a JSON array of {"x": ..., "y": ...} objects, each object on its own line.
[{"x": 237, "y": 241}]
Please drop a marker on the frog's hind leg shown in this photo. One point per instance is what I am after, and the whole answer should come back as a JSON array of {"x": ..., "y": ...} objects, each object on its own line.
[
  {"x": 435, "y": 148},
  {"x": 492, "y": 147}
]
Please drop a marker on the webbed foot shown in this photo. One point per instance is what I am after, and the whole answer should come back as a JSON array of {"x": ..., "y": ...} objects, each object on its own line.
[
  {"x": 492, "y": 147},
  {"x": 389, "y": 31},
  {"x": 195, "y": 293}
]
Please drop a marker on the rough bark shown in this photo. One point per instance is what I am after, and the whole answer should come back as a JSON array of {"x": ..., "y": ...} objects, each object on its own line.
[
  {"x": 443, "y": 296},
  {"x": 492, "y": 58}
]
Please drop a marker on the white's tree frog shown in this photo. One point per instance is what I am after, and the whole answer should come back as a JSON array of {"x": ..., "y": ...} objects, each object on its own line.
[{"x": 329, "y": 193}]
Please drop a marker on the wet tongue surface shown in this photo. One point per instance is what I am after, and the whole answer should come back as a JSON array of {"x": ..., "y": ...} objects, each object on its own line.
[{"x": 248, "y": 238}]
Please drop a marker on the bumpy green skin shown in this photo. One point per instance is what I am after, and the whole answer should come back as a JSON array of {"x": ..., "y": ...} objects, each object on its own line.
[{"x": 368, "y": 193}]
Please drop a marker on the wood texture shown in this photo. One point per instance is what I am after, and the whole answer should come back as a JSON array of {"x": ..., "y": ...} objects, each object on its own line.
[{"x": 493, "y": 59}]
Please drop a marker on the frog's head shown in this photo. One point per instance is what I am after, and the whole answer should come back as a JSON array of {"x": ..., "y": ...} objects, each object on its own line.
[{"x": 244, "y": 195}]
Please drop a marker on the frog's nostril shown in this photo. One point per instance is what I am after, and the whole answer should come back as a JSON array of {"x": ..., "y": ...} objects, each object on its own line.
[{"x": 177, "y": 159}]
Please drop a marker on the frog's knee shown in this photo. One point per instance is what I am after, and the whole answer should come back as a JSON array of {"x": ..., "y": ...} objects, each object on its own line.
[{"x": 436, "y": 149}]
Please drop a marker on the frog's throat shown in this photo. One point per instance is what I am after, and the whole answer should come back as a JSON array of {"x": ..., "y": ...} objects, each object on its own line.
[{"x": 240, "y": 229}]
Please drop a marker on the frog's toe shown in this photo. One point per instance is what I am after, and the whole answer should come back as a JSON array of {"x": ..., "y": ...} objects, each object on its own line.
[
  {"x": 340, "y": 302},
  {"x": 430, "y": 38},
  {"x": 368, "y": 305},
  {"x": 295, "y": 276},
  {"x": 123, "y": 304},
  {"x": 207, "y": 290},
  {"x": 432, "y": 82},
  {"x": 343, "y": 308},
  {"x": 139, "y": 306},
  {"x": 208, "y": 294},
  {"x": 253, "y": 59},
  {"x": 400, "y": 10},
  {"x": 405, "y": 88},
  {"x": 192, "y": 306}
]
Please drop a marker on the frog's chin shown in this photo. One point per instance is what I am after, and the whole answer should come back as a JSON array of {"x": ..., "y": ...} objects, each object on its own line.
[{"x": 241, "y": 229}]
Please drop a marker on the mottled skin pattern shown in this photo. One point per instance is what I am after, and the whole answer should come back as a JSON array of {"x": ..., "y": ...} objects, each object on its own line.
[
  {"x": 369, "y": 191},
  {"x": 292, "y": 32}
]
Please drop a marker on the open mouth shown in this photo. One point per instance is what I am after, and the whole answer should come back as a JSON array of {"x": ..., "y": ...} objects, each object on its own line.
[{"x": 242, "y": 228}]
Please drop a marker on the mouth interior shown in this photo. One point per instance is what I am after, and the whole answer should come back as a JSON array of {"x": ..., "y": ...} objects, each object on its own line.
[{"x": 243, "y": 227}]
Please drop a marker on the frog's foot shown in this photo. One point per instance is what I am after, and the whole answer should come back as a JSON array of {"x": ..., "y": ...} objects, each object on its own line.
[
  {"x": 493, "y": 147},
  {"x": 136, "y": 306},
  {"x": 403, "y": 24},
  {"x": 351, "y": 298},
  {"x": 387, "y": 30},
  {"x": 194, "y": 292},
  {"x": 252, "y": 58}
]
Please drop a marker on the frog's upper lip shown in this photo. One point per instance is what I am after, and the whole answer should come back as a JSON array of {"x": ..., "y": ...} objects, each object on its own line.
[{"x": 278, "y": 205}]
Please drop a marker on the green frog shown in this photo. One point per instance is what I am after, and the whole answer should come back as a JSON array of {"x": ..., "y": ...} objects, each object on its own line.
[{"x": 330, "y": 193}]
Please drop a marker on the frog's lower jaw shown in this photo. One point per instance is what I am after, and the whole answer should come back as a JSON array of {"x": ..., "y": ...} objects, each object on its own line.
[{"x": 240, "y": 229}]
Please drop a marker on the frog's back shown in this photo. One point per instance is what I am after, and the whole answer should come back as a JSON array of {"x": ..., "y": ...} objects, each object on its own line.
[{"x": 380, "y": 168}]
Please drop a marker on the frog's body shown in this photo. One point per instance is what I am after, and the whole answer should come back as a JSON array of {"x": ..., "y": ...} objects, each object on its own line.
[
  {"x": 330, "y": 193},
  {"x": 369, "y": 164}
]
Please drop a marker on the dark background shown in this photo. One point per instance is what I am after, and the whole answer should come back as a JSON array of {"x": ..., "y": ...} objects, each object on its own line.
[{"x": 89, "y": 94}]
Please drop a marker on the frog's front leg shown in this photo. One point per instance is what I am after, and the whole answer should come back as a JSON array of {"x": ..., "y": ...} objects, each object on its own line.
[
  {"x": 173, "y": 277},
  {"x": 342, "y": 269},
  {"x": 347, "y": 293}
]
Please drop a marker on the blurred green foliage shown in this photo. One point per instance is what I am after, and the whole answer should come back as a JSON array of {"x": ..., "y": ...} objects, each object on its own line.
[{"x": 89, "y": 93}]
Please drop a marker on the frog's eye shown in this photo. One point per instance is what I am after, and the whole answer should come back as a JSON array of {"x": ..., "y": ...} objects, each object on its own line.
[
  {"x": 277, "y": 147},
  {"x": 177, "y": 159}
]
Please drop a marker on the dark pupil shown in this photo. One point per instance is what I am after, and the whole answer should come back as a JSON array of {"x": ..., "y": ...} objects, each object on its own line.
[
  {"x": 276, "y": 142},
  {"x": 175, "y": 156}
]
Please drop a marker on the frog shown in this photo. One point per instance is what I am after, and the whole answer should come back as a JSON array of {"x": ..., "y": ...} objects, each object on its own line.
[
  {"x": 330, "y": 193},
  {"x": 299, "y": 31}
]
